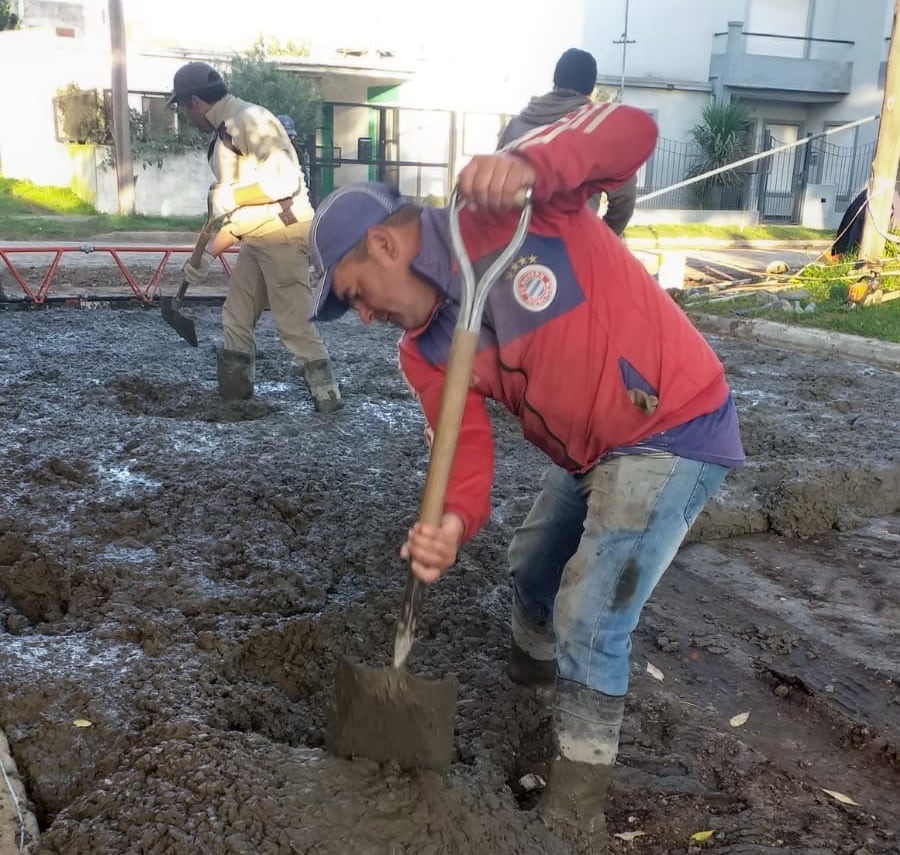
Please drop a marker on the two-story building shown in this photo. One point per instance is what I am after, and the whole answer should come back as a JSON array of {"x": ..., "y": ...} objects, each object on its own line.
[{"x": 409, "y": 101}]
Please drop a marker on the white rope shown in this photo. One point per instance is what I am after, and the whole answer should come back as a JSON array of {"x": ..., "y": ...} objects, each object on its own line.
[
  {"x": 884, "y": 186},
  {"x": 15, "y": 799},
  {"x": 753, "y": 157}
]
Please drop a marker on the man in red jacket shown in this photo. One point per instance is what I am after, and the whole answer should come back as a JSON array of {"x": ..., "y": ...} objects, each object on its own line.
[{"x": 607, "y": 376}]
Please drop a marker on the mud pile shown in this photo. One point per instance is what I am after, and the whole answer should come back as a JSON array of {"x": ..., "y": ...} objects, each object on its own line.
[{"x": 184, "y": 575}]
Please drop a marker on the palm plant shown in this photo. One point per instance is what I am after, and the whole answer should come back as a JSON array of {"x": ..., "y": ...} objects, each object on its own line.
[{"x": 724, "y": 136}]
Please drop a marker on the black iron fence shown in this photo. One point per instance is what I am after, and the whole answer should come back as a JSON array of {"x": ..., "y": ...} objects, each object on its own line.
[
  {"x": 847, "y": 167},
  {"x": 773, "y": 185},
  {"x": 670, "y": 163}
]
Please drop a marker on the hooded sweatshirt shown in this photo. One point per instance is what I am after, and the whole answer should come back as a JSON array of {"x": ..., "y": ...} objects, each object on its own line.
[
  {"x": 546, "y": 109},
  {"x": 577, "y": 340}
]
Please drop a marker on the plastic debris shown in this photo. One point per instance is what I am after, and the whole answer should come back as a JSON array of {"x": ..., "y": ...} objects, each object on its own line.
[
  {"x": 840, "y": 797},
  {"x": 654, "y": 672},
  {"x": 739, "y": 720}
]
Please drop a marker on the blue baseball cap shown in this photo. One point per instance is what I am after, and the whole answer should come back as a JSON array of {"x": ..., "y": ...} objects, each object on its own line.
[
  {"x": 288, "y": 124},
  {"x": 341, "y": 222}
]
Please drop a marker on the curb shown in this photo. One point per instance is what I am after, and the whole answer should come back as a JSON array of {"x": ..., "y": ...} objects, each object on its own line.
[
  {"x": 852, "y": 348},
  {"x": 18, "y": 825},
  {"x": 723, "y": 243}
]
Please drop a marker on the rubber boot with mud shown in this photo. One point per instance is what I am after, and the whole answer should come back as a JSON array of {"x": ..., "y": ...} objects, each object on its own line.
[
  {"x": 323, "y": 388},
  {"x": 532, "y": 652},
  {"x": 587, "y": 725},
  {"x": 526, "y": 670},
  {"x": 236, "y": 372}
]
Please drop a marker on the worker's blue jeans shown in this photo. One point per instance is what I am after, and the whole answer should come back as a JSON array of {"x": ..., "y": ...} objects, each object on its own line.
[{"x": 590, "y": 553}]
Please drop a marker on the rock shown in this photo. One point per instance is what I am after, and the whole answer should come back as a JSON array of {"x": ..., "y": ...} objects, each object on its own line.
[
  {"x": 15, "y": 622},
  {"x": 797, "y": 294},
  {"x": 664, "y": 644},
  {"x": 782, "y": 691}
]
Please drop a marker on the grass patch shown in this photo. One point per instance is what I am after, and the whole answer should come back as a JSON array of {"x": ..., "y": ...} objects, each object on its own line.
[
  {"x": 53, "y": 228},
  {"x": 827, "y": 287},
  {"x": 733, "y": 233},
  {"x": 25, "y": 198},
  {"x": 32, "y": 212}
]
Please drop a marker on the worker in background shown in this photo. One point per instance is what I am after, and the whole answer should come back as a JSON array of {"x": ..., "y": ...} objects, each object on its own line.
[
  {"x": 262, "y": 197},
  {"x": 574, "y": 79},
  {"x": 848, "y": 237}
]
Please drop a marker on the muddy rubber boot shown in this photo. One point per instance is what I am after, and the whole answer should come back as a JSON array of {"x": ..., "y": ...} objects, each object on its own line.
[
  {"x": 323, "y": 388},
  {"x": 587, "y": 725},
  {"x": 525, "y": 670},
  {"x": 236, "y": 372},
  {"x": 532, "y": 652}
]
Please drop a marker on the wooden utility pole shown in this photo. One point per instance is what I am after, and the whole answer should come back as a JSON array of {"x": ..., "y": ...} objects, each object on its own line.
[
  {"x": 887, "y": 155},
  {"x": 121, "y": 135}
]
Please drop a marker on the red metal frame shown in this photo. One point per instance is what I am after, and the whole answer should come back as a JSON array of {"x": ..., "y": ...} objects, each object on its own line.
[{"x": 145, "y": 293}]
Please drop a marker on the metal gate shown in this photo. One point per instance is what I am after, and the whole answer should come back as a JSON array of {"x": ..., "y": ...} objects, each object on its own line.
[
  {"x": 780, "y": 181},
  {"x": 846, "y": 167},
  {"x": 408, "y": 148}
]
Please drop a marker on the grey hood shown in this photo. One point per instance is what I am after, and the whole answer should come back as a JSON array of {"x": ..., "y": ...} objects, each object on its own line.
[{"x": 542, "y": 110}]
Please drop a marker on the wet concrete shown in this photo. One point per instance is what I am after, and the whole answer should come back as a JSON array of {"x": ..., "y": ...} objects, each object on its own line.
[{"x": 185, "y": 575}]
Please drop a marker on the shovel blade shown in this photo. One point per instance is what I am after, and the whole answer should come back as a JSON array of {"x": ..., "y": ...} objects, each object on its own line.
[
  {"x": 182, "y": 325},
  {"x": 389, "y": 714}
]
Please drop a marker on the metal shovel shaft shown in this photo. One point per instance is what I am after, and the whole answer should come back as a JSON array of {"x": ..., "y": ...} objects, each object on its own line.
[
  {"x": 388, "y": 713},
  {"x": 170, "y": 306},
  {"x": 453, "y": 399}
]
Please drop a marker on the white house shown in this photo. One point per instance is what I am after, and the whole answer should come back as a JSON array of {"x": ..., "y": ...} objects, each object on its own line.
[{"x": 411, "y": 100}]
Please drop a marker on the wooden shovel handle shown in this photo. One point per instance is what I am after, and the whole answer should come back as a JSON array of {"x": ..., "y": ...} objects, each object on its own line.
[
  {"x": 205, "y": 232},
  {"x": 199, "y": 249},
  {"x": 443, "y": 450},
  {"x": 453, "y": 402}
]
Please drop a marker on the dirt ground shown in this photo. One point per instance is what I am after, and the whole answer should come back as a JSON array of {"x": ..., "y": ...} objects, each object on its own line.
[{"x": 184, "y": 575}]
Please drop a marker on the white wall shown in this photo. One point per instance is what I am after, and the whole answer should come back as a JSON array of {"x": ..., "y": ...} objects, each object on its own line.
[
  {"x": 179, "y": 189},
  {"x": 672, "y": 40},
  {"x": 675, "y": 112},
  {"x": 28, "y": 146}
]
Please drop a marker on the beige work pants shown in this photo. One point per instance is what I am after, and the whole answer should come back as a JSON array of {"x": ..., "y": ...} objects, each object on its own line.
[{"x": 272, "y": 272}]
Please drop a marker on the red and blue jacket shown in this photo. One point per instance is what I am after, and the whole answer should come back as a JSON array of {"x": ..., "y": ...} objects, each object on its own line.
[{"x": 577, "y": 340}]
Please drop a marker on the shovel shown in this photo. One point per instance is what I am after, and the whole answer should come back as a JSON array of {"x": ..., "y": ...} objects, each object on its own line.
[
  {"x": 170, "y": 306},
  {"x": 387, "y": 713}
]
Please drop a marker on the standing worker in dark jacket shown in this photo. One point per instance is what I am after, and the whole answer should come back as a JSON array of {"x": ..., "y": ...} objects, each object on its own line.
[
  {"x": 574, "y": 79},
  {"x": 263, "y": 198}
]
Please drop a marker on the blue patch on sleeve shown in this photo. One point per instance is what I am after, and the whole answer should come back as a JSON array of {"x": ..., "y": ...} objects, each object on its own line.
[{"x": 537, "y": 287}]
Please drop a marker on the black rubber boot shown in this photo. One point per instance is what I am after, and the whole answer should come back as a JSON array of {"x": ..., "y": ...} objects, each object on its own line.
[
  {"x": 528, "y": 671},
  {"x": 236, "y": 372},
  {"x": 532, "y": 650},
  {"x": 587, "y": 725},
  {"x": 323, "y": 388}
]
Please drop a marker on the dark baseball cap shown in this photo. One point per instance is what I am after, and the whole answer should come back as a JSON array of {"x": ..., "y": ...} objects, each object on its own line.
[
  {"x": 341, "y": 222},
  {"x": 191, "y": 79}
]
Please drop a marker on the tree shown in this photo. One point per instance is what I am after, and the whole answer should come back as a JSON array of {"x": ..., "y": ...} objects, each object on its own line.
[
  {"x": 723, "y": 136},
  {"x": 255, "y": 78},
  {"x": 9, "y": 20}
]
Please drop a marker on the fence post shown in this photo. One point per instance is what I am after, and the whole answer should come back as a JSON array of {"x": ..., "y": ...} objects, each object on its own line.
[
  {"x": 803, "y": 182},
  {"x": 765, "y": 164}
]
